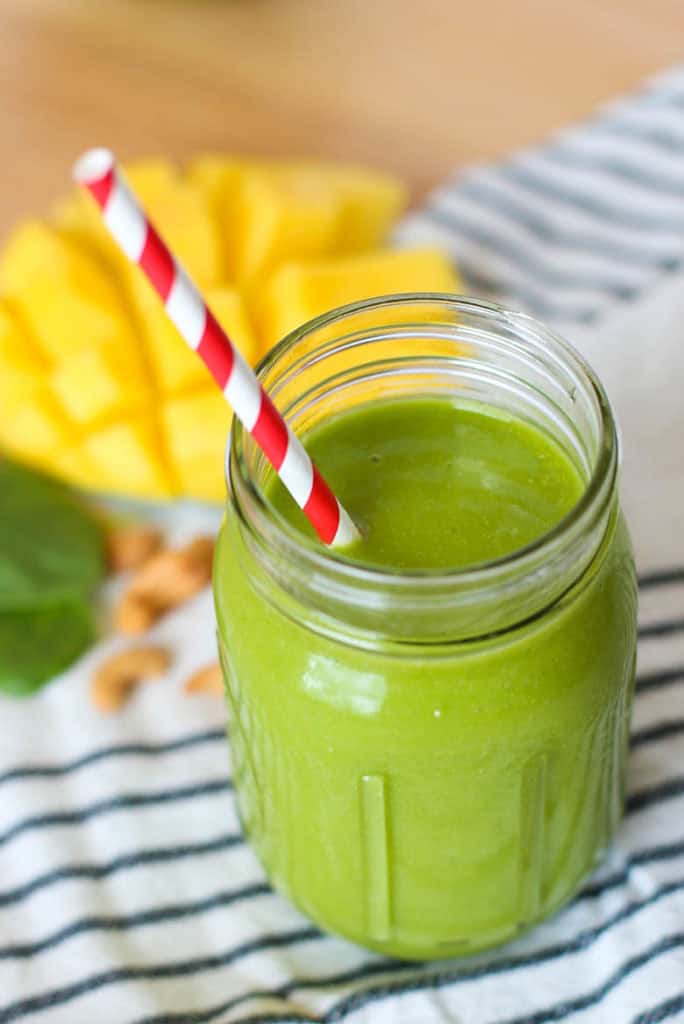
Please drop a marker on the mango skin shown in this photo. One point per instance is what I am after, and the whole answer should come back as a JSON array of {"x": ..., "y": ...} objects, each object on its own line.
[{"x": 97, "y": 386}]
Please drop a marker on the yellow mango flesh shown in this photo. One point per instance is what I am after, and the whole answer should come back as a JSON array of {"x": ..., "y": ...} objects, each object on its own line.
[
  {"x": 19, "y": 358},
  {"x": 33, "y": 426},
  {"x": 36, "y": 250},
  {"x": 130, "y": 450},
  {"x": 182, "y": 215},
  {"x": 178, "y": 208},
  {"x": 97, "y": 385},
  {"x": 174, "y": 365},
  {"x": 215, "y": 176},
  {"x": 271, "y": 211},
  {"x": 151, "y": 178},
  {"x": 229, "y": 309},
  {"x": 73, "y": 463},
  {"x": 300, "y": 291},
  {"x": 196, "y": 430},
  {"x": 101, "y": 382},
  {"x": 60, "y": 318},
  {"x": 276, "y": 218},
  {"x": 370, "y": 203}
]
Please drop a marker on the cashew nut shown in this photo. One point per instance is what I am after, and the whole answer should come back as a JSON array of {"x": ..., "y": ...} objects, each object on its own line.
[
  {"x": 117, "y": 677},
  {"x": 207, "y": 680},
  {"x": 166, "y": 580},
  {"x": 128, "y": 547},
  {"x": 134, "y": 614}
]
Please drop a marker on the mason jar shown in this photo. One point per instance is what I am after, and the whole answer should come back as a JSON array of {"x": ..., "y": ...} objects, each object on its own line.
[{"x": 428, "y": 762}]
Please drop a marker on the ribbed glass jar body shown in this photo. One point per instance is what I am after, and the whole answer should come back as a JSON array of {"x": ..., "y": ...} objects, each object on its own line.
[{"x": 429, "y": 762}]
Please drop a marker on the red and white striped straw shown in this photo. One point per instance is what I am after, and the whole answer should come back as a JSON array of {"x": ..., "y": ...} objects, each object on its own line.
[{"x": 97, "y": 171}]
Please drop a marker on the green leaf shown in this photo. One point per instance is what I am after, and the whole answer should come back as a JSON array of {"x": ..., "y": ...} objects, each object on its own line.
[
  {"x": 36, "y": 645},
  {"x": 51, "y": 558},
  {"x": 50, "y": 547}
]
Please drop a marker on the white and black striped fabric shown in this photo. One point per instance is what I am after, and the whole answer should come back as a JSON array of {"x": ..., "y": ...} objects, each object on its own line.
[
  {"x": 127, "y": 892},
  {"x": 569, "y": 228}
]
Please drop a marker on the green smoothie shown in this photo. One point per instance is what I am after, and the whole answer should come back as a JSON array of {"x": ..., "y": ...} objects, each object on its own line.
[
  {"x": 434, "y": 485},
  {"x": 431, "y": 799}
]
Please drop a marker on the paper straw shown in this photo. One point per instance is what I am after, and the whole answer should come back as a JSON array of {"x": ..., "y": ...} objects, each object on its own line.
[{"x": 97, "y": 171}]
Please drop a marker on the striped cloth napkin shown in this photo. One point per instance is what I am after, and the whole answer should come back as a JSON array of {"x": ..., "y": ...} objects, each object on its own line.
[{"x": 127, "y": 892}]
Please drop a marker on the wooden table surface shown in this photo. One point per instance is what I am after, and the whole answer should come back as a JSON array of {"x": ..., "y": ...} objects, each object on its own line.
[{"x": 417, "y": 86}]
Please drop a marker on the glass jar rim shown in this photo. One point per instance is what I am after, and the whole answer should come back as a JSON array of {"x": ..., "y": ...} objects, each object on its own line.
[{"x": 601, "y": 479}]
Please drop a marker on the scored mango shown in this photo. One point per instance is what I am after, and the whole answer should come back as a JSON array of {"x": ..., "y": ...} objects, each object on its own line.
[
  {"x": 33, "y": 426},
  {"x": 196, "y": 429},
  {"x": 182, "y": 213},
  {"x": 300, "y": 291},
  {"x": 275, "y": 217},
  {"x": 20, "y": 361},
  {"x": 174, "y": 365},
  {"x": 97, "y": 385},
  {"x": 279, "y": 210},
  {"x": 175, "y": 206},
  {"x": 36, "y": 250},
  {"x": 101, "y": 382},
  {"x": 370, "y": 204},
  {"x": 131, "y": 451},
  {"x": 60, "y": 318}
]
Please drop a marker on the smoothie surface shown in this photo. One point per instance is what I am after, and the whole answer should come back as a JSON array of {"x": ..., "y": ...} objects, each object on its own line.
[
  {"x": 435, "y": 485},
  {"x": 429, "y": 799}
]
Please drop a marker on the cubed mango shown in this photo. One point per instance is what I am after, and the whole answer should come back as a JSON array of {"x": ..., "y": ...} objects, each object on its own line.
[
  {"x": 196, "y": 429},
  {"x": 181, "y": 214},
  {"x": 95, "y": 382},
  {"x": 150, "y": 177},
  {"x": 35, "y": 251},
  {"x": 64, "y": 320},
  {"x": 175, "y": 366},
  {"x": 128, "y": 458},
  {"x": 277, "y": 217},
  {"x": 101, "y": 381},
  {"x": 370, "y": 201},
  {"x": 32, "y": 424},
  {"x": 19, "y": 355},
  {"x": 297, "y": 292},
  {"x": 75, "y": 466},
  {"x": 217, "y": 177}
]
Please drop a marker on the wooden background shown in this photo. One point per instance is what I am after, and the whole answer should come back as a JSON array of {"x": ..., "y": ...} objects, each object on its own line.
[{"x": 418, "y": 86}]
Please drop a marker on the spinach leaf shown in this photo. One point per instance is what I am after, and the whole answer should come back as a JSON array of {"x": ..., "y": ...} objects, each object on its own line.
[
  {"x": 36, "y": 645},
  {"x": 50, "y": 547},
  {"x": 51, "y": 558}
]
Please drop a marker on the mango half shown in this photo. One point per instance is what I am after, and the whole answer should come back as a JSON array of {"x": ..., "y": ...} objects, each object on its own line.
[{"x": 97, "y": 386}]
